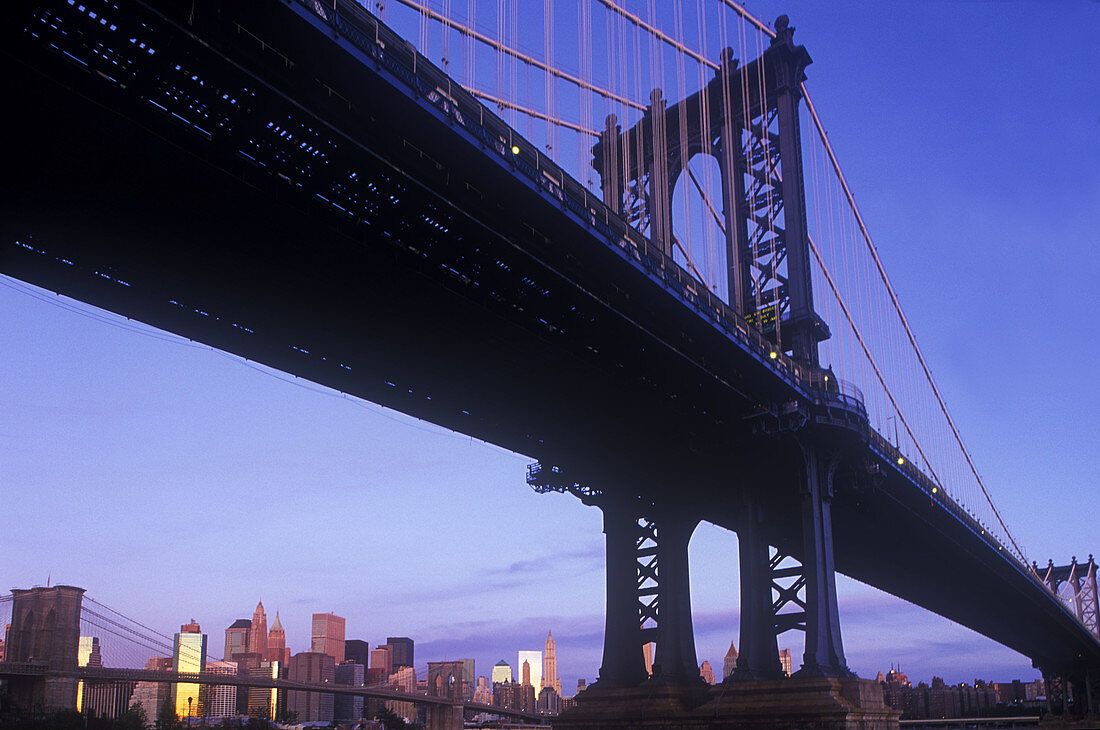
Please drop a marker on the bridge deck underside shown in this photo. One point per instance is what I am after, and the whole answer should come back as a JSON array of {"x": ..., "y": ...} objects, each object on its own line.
[{"x": 461, "y": 295}]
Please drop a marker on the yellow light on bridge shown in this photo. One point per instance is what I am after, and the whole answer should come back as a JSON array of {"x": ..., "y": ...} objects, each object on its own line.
[
  {"x": 515, "y": 149},
  {"x": 935, "y": 489},
  {"x": 901, "y": 460},
  {"x": 773, "y": 354}
]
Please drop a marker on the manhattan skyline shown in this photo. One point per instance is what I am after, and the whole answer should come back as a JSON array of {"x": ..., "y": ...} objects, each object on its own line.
[{"x": 134, "y": 462}]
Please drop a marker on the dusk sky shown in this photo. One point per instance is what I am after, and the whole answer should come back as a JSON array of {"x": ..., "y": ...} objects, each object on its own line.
[{"x": 173, "y": 481}]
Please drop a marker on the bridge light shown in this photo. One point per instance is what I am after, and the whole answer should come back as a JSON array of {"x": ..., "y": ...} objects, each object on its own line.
[
  {"x": 935, "y": 489},
  {"x": 773, "y": 354},
  {"x": 901, "y": 461},
  {"x": 515, "y": 149}
]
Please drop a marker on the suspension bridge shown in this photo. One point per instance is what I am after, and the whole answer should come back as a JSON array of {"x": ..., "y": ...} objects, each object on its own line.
[{"x": 634, "y": 249}]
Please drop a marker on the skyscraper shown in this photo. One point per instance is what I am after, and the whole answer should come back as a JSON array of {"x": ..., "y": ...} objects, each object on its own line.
[
  {"x": 188, "y": 655},
  {"x": 730, "y": 662},
  {"x": 314, "y": 668},
  {"x": 534, "y": 662},
  {"x": 237, "y": 639},
  {"x": 276, "y": 643},
  {"x": 785, "y": 661},
  {"x": 327, "y": 636},
  {"x": 502, "y": 672},
  {"x": 358, "y": 651},
  {"x": 348, "y": 707},
  {"x": 550, "y": 676},
  {"x": 258, "y": 636},
  {"x": 706, "y": 672},
  {"x": 218, "y": 700},
  {"x": 402, "y": 647},
  {"x": 381, "y": 657}
]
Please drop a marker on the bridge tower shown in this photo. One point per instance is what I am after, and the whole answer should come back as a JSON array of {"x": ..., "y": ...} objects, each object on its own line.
[
  {"x": 753, "y": 133},
  {"x": 445, "y": 680},
  {"x": 1076, "y": 585},
  {"x": 45, "y": 631}
]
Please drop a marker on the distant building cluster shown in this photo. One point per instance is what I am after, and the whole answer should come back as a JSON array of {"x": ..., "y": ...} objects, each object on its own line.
[
  {"x": 940, "y": 700},
  {"x": 252, "y": 648}
]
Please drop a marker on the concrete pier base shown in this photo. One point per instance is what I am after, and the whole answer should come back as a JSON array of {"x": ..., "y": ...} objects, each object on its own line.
[{"x": 819, "y": 703}]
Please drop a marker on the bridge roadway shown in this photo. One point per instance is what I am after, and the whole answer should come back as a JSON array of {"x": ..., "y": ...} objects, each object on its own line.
[
  {"x": 290, "y": 182},
  {"x": 115, "y": 674}
]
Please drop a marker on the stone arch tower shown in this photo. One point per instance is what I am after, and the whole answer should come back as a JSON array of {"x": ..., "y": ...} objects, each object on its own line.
[{"x": 45, "y": 630}]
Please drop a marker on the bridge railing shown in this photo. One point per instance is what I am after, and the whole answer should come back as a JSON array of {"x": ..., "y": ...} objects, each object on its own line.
[{"x": 457, "y": 106}]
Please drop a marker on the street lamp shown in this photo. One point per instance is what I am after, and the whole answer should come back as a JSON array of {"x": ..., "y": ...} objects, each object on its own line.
[{"x": 189, "y": 711}]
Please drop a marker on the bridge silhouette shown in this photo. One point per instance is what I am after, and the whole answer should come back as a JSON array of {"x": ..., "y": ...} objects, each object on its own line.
[{"x": 395, "y": 223}]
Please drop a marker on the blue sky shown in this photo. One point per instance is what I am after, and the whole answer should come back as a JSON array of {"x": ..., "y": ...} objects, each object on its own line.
[{"x": 173, "y": 481}]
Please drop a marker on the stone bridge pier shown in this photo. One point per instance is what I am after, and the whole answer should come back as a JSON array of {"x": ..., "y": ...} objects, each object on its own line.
[{"x": 45, "y": 630}]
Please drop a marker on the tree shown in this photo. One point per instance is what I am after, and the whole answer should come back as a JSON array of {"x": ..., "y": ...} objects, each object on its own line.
[
  {"x": 167, "y": 719},
  {"x": 134, "y": 718},
  {"x": 390, "y": 720}
]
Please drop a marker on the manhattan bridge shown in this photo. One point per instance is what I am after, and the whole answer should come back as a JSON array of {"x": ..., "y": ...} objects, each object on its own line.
[{"x": 617, "y": 241}]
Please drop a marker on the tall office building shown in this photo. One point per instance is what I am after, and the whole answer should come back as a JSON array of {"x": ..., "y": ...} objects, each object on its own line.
[
  {"x": 276, "y": 643},
  {"x": 358, "y": 651},
  {"x": 348, "y": 707},
  {"x": 188, "y": 655},
  {"x": 87, "y": 655},
  {"x": 236, "y": 639},
  {"x": 402, "y": 647},
  {"x": 534, "y": 664},
  {"x": 218, "y": 700},
  {"x": 730, "y": 662},
  {"x": 258, "y": 640},
  {"x": 315, "y": 668},
  {"x": 706, "y": 672},
  {"x": 327, "y": 636},
  {"x": 502, "y": 672},
  {"x": 550, "y": 676},
  {"x": 381, "y": 657},
  {"x": 152, "y": 695},
  {"x": 785, "y": 661},
  {"x": 263, "y": 703}
]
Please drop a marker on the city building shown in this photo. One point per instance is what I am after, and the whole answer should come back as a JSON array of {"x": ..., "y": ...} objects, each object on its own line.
[
  {"x": 550, "y": 676},
  {"x": 107, "y": 699},
  {"x": 349, "y": 707},
  {"x": 246, "y": 664},
  {"x": 264, "y": 703},
  {"x": 468, "y": 676},
  {"x": 532, "y": 675},
  {"x": 218, "y": 700},
  {"x": 237, "y": 639},
  {"x": 502, "y": 672},
  {"x": 257, "y": 643},
  {"x": 483, "y": 691},
  {"x": 188, "y": 655},
  {"x": 729, "y": 664},
  {"x": 358, "y": 651},
  {"x": 402, "y": 648},
  {"x": 512, "y": 696},
  {"x": 87, "y": 655},
  {"x": 706, "y": 672},
  {"x": 276, "y": 643},
  {"x": 381, "y": 657},
  {"x": 549, "y": 701},
  {"x": 316, "y": 668},
  {"x": 327, "y": 636},
  {"x": 404, "y": 679},
  {"x": 152, "y": 695},
  {"x": 785, "y": 661}
]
